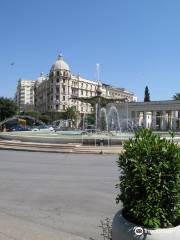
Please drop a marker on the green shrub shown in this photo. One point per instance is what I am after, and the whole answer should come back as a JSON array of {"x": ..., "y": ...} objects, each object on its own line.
[{"x": 149, "y": 180}]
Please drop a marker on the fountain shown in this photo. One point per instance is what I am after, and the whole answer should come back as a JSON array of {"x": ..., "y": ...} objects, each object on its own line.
[
  {"x": 103, "y": 120},
  {"x": 99, "y": 102},
  {"x": 108, "y": 126},
  {"x": 113, "y": 119}
]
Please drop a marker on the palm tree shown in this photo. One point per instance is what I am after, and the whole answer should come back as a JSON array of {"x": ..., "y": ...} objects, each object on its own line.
[{"x": 176, "y": 96}]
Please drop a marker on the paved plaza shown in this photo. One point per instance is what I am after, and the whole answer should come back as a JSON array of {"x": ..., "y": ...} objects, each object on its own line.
[{"x": 64, "y": 192}]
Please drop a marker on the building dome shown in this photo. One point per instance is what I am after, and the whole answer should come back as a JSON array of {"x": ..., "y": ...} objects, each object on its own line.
[{"x": 60, "y": 64}]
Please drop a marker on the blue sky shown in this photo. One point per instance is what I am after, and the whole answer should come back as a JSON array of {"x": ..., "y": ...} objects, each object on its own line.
[{"x": 136, "y": 42}]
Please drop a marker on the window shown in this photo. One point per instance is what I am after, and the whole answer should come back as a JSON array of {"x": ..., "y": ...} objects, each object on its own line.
[
  {"x": 57, "y": 97},
  {"x": 57, "y": 73},
  {"x": 64, "y": 98},
  {"x": 57, "y": 106},
  {"x": 82, "y": 85},
  {"x": 64, "y": 107},
  {"x": 57, "y": 80},
  {"x": 81, "y": 92}
]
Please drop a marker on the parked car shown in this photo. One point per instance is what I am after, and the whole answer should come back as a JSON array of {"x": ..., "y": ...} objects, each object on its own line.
[
  {"x": 19, "y": 128},
  {"x": 43, "y": 128}
]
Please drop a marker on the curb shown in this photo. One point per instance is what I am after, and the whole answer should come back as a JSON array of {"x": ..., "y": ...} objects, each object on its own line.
[{"x": 58, "y": 148}]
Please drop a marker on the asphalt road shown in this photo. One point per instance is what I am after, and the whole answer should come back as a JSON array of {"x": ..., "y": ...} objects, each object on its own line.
[{"x": 68, "y": 192}]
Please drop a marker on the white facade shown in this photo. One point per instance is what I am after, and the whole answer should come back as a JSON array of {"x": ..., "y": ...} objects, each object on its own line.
[
  {"x": 55, "y": 92},
  {"x": 25, "y": 95}
]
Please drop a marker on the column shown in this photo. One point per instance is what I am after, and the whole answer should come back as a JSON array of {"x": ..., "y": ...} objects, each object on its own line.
[
  {"x": 141, "y": 119},
  {"x": 148, "y": 119},
  {"x": 164, "y": 120},
  {"x": 173, "y": 120},
  {"x": 178, "y": 120},
  {"x": 136, "y": 118},
  {"x": 145, "y": 119},
  {"x": 153, "y": 120},
  {"x": 127, "y": 115},
  {"x": 169, "y": 121}
]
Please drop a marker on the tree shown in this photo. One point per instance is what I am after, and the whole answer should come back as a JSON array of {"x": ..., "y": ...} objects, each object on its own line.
[
  {"x": 71, "y": 114},
  {"x": 8, "y": 108},
  {"x": 44, "y": 118},
  {"x": 146, "y": 94},
  {"x": 90, "y": 118},
  {"x": 176, "y": 96}
]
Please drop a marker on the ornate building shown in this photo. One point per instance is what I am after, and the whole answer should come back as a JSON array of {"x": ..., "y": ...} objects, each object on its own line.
[{"x": 55, "y": 91}]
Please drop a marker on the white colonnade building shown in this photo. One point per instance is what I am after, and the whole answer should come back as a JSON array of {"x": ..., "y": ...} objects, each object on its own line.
[{"x": 156, "y": 115}]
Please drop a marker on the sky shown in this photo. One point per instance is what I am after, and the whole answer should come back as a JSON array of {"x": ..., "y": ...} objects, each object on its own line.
[{"x": 136, "y": 42}]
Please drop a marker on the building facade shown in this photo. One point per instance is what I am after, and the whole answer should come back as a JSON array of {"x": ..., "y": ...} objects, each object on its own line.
[
  {"x": 53, "y": 93},
  {"x": 25, "y": 95},
  {"x": 156, "y": 115}
]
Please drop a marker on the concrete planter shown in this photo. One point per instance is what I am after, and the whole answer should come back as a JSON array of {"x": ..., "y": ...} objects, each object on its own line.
[{"x": 125, "y": 230}]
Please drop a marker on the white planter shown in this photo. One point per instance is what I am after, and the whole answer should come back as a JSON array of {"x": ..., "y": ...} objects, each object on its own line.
[{"x": 125, "y": 230}]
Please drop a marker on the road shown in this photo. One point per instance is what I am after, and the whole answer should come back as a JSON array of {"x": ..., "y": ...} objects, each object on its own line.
[{"x": 67, "y": 192}]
